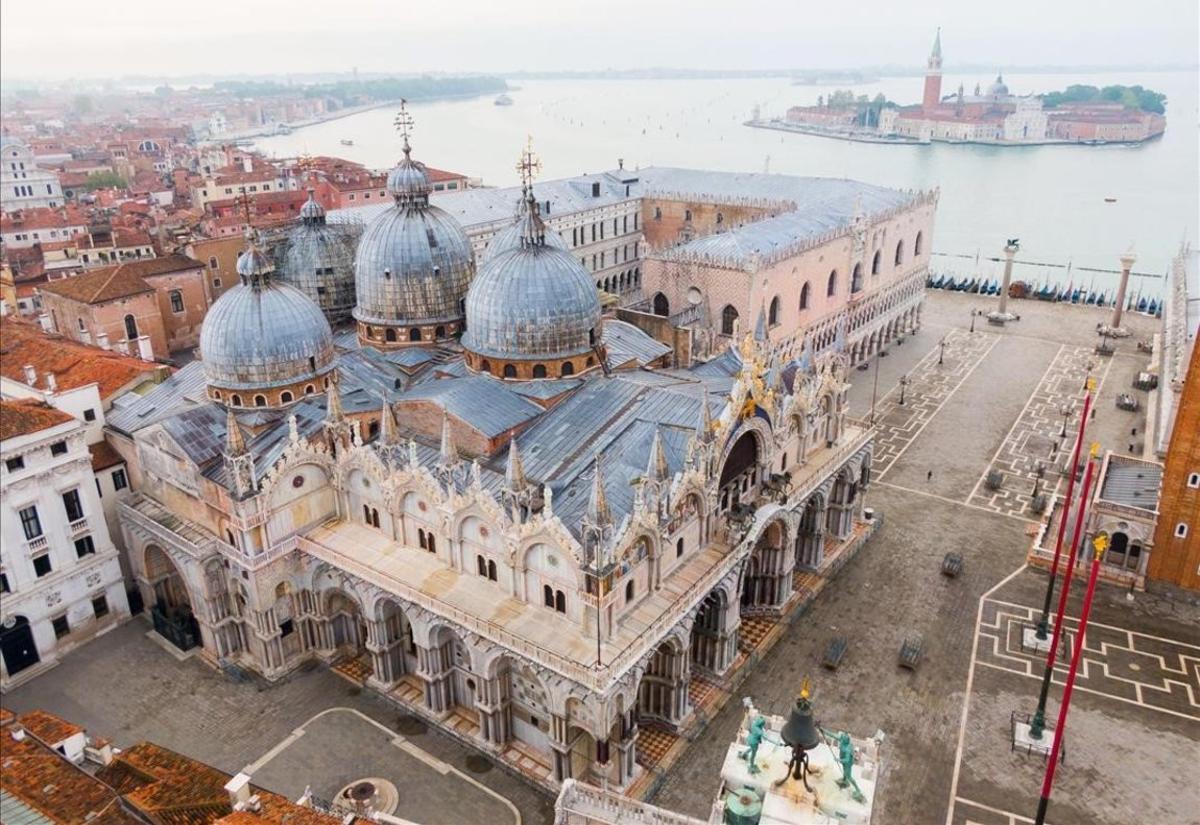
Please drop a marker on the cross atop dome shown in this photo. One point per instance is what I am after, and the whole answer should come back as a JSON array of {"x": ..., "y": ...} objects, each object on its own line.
[
  {"x": 404, "y": 124},
  {"x": 529, "y": 165}
]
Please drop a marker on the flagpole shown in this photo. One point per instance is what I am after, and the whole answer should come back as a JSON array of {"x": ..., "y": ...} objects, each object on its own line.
[
  {"x": 1038, "y": 724},
  {"x": 1100, "y": 544}
]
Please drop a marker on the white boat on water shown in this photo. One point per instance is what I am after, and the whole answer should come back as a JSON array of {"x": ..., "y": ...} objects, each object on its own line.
[
  {"x": 347, "y": 142},
  {"x": 503, "y": 100}
]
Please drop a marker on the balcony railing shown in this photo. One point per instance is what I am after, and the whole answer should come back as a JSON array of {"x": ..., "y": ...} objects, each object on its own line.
[
  {"x": 37, "y": 543},
  {"x": 78, "y": 526}
]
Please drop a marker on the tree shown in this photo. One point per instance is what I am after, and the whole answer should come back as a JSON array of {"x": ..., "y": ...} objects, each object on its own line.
[
  {"x": 82, "y": 104},
  {"x": 105, "y": 180}
]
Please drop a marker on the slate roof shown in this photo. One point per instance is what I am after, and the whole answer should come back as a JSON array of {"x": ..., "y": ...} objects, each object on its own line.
[
  {"x": 626, "y": 343},
  {"x": 485, "y": 404},
  {"x": 1132, "y": 483}
]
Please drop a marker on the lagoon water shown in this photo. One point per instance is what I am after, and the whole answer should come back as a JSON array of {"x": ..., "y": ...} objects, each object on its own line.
[{"x": 1050, "y": 197}]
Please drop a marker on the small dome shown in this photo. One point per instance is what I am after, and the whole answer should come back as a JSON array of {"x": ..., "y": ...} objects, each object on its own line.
[
  {"x": 263, "y": 334},
  {"x": 532, "y": 302},
  {"x": 318, "y": 259},
  {"x": 510, "y": 237},
  {"x": 998, "y": 89},
  {"x": 409, "y": 179}
]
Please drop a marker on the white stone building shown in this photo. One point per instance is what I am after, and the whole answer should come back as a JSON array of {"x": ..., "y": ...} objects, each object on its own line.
[
  {"x": 60, "y": 575},
  {"x": 23, "y": 184}
]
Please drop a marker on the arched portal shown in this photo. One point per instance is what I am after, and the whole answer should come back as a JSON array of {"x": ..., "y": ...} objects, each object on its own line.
[
  {"x": 767, "y": 582},
  {"x": 729, "y": 318},
  {"x": 450, "y": 683},
  {"x": 171, "y": 608},
  {"x": 842, "y": 504},
  {"x": 17, "y": 646},
  {"x": 739, "y": 476},
  {"x": 715, "y": 633},
  {"x": 662, "y": 691},
  {"x": 345, "y": 623},
  {"x": 661, "y": 305},
  {"x": 810, "y": 539}
]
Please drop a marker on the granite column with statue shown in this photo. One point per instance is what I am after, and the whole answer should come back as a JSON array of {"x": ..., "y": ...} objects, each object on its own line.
[
  {"x": 1114, "y": 326},
  {"x": 1002, "y": 315}
]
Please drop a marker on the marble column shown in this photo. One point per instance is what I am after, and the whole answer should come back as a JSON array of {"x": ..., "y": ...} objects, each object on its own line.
[
  {"x": 1002, "y": 314},
  {"x": 1114, "y": 326}
]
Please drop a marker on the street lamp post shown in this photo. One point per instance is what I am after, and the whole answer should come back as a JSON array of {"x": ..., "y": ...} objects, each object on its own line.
[
  {"x": 974, "y": 312},
  {"x": 1065, "y": 412},
  {"x": 1037, "y": 482},
  {"x": 903, "y": 384},
  {"x": 941, "y": 350}
]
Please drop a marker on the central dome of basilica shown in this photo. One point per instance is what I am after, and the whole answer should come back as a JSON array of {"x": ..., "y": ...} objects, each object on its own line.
[{"x": 413, "y": 266}]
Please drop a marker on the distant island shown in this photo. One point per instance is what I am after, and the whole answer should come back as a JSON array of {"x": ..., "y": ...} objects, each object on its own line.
[
  {"x": 1079, "y": 114},
  {"x": 351, "y": 92}
]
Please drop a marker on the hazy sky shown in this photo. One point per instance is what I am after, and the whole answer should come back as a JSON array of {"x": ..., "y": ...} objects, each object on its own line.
[{"x": 81, "y": 38}]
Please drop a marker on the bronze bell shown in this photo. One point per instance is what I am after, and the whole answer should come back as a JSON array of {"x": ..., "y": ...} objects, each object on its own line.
[{"x": 800, "y": 732}]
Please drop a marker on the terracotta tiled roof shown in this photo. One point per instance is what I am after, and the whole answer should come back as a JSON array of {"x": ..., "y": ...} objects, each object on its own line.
[
  {"x": 45, "y": 781},
  {"x": 73, "y": 364},
  {"x": 49, "y": 728},
  {"x": 104, "y": 456},
  {"x": 28, "y": 416},
  {"x": 170, "y": 787},
  {"x": 438, "y": 175},
  {"x": 113, "y": 282}
]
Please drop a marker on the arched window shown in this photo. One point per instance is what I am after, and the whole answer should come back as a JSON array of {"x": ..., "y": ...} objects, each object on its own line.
[
  {"x": 773, "y": 312},
  {"x": 79, "y": 321},
  {"x": 661, "y": 305},
  {"x": 831, "y": 287},
  {"x": 440, "y": 332},
  {"x": 309, "y": 389},
  {"x": 131, "y": 330},
  {"x": 285, "y": 397},
  {"x": 876, "y": 262},
  {"x": 917, "y": 244},
  {"x": 856, "y": 283},
  {"x": 389, "y": 334},
  {"x": 421, "y": 539},
  {"x": 547, "y": 595},
  {"x": 720, "y": 219},
  {"x": 804, "y": 293},
  {"x": 414, "y": 334},
  {"x": 366, "y": 514},
  {"x": 679, "y": 548},
  {"x": 628, "y": 592},
  {"x": 899, "y": 252},
  {"x": 592, "y": 337},
  {"x": 510, "y": 371},
  {"x": 176, "y": 300},
  {"x": 373, "y": 429},
  {"x": 567, "y": 369},
  {"x": 560, "y": 601},
  {"x": 260, "y": 401},
  {"x": 539, "y": 370},
  {"x": 729, "y": 317},
  {"x": 235, "y": 400},
  {"x": 491, "y": 570},
  {"x": 374, "y": 517},
  {"x": 481, "y": 566},
  {"x": 687, "y": 214},
  {"x": 485, "y": 365},
  {"x": 431, "y": 542}
]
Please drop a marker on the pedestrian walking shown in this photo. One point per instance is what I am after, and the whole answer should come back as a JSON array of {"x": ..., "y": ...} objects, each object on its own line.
[{"x": 929, "y": 476}]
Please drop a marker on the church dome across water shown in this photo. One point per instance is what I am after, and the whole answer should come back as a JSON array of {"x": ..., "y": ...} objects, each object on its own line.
[
  {"x": 264, "y": 343},
  {"x": 413, "y": 266},
  {"x": 318, "y": 259}
]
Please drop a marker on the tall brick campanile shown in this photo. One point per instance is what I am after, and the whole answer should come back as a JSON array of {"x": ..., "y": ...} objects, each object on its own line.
[{"x": 933, "y": 76}]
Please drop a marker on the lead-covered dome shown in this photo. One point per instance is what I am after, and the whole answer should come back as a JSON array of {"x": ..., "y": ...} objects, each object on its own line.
[
  {"x": 532, "y": 311},
  {"x": 412, "y": 268},
  {"x": 999, "y": 88},
  {"x": 318, "y": 259},
  {"x": 264, "y": 343}
]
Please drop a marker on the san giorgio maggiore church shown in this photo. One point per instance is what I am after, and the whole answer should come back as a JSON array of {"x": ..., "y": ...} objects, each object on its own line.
[{"x": 524, "y": 500}]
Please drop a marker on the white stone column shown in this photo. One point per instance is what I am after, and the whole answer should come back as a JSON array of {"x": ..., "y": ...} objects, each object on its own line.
[
  {"x": 1114, "y": 326},
  {"x": 1002, "y": 315}
]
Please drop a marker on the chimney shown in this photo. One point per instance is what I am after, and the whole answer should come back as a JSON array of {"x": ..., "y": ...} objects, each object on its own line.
[
  {"x": 44, "y": 320},
  {"x": 30, "y": 375},
  {"x": 239, "y": 790},
  {"x": 145, "y": 348},
  {"x": 51, "y": 382},
  {"x": 102, "y": 340},
  {"x": 247, "y": 163}
]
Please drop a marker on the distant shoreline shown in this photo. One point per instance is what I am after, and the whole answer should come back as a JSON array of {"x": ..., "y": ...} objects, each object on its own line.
[{"x": 900, "y": 140}]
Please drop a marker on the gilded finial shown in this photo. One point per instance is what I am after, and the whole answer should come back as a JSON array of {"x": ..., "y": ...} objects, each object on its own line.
[
  {"x": 529, "y": 165},
  {"x": 805, "y": 689},
  {"x": 1095, "y": 449},
  {"x": 1100, "y": 543},
  {"x": 404, "y": 124},
  {"x": 1091, "y": 385}
]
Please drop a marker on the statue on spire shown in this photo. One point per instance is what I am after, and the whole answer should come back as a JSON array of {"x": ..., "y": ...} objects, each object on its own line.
[{"x": 529, "y": 165}]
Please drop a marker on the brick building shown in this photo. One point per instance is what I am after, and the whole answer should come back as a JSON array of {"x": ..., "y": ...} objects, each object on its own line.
[{"x": 163, "y": 299}]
